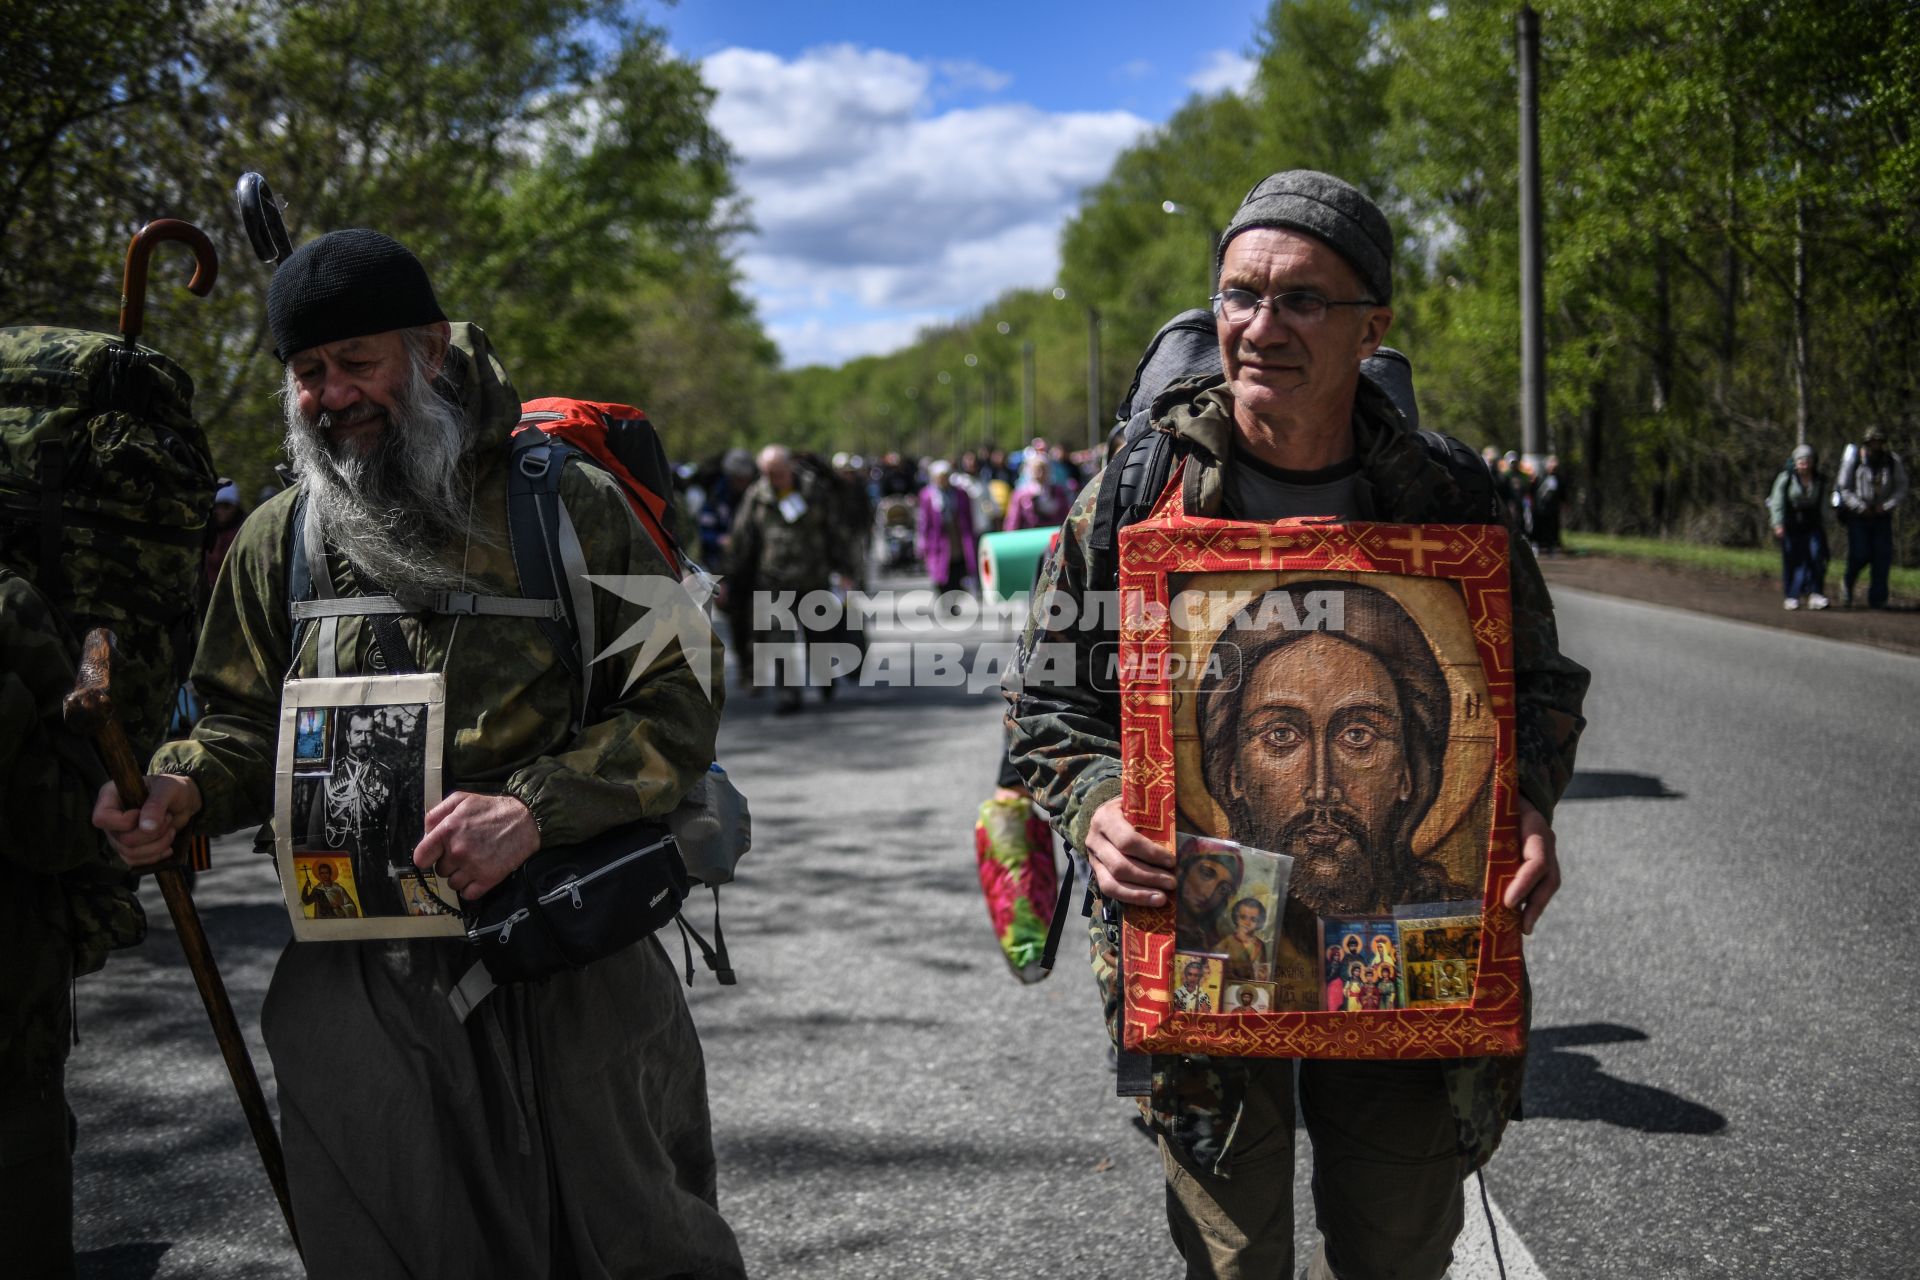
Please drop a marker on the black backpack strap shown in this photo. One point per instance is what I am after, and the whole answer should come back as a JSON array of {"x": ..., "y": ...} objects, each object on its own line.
[
  {"x": 715, "y": 954},
  {"x": 1469, "y": 472},
  {"x": 1058, "y": 927},
  {"x": 1136, "y": 478},
  {"x": 533, "y": 534},
  {"x": 396, "y": 655},
  {"x": 300, "y": 586}
]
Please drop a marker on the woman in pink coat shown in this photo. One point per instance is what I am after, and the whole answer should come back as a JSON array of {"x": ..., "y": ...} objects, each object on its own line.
[{"x": 946, "y": 541}]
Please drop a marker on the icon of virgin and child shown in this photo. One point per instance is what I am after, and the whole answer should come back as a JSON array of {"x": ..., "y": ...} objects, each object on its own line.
[{"x": 1226, "y": 905}]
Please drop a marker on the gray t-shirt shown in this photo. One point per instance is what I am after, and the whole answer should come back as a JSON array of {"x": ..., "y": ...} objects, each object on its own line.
[{"x": 1258, "y": 490}]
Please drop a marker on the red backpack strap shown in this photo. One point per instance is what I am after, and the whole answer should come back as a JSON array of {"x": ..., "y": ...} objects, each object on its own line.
[{"x": 622, "y": 442}]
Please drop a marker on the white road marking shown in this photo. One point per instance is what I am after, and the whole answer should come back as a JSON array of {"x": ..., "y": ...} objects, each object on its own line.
[{"x": 1473, "y": 1251}]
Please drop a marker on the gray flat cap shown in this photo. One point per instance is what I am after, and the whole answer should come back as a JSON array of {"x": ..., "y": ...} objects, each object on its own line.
[{"x": 1322, "y": 206}]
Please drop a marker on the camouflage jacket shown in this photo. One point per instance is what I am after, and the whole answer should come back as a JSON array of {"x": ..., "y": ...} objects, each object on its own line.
[
  {"x": 64, "y": 899},
  {"x": 768, "y": 552},
  {"x": 510, "y": 701},
  {"x": 1066, "y": 738}
]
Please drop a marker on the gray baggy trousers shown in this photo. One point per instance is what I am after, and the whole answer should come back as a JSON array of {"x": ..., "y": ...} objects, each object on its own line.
[{"x": 562, "y": 1131}]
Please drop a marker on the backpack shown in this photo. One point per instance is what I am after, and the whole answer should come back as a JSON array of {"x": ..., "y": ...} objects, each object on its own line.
[
  {"x": 1188, "y": 346},
  {"x": 712, "y": 824},
  {"x": 106, "y": 485},
  {"x": 620, "y": 441},
  {"x": 1843, "y": 484}
]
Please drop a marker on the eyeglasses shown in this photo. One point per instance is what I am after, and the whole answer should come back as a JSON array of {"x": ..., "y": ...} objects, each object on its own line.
[{"x": 1301, "y": 306}]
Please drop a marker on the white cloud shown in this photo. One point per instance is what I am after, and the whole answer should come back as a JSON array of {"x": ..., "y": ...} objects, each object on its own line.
[
  {"x": 958, "y": 75},
  {"x": 869, "y": 199},
  {"x": 827, "y": 107},
  {"x": 817, "y": 340},
  {"x": 1224, "y": 71}
]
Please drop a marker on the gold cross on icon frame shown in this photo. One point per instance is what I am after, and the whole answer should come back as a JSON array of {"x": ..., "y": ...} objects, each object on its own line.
[{"x": 1418, "y": 547}]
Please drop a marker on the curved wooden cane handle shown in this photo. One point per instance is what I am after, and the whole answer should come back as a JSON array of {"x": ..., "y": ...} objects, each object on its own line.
[{"x": 133, "y": 285}]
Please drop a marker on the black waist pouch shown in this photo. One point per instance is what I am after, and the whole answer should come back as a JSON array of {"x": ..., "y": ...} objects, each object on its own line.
[{"x": 571, "y": 905}]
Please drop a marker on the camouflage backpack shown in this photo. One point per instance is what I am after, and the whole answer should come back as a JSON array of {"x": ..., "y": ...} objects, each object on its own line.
[{"x": 106, "y": 483}]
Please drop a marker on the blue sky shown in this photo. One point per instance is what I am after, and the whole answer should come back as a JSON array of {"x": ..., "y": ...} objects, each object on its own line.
[{"x": 907, "y": 163}]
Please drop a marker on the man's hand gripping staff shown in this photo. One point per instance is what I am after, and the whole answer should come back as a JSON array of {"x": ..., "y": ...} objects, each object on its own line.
[{"x": 143, "y": 823}]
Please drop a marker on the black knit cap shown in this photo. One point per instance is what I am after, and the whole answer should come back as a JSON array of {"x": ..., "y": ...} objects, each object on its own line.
[
  {"x": 1327, "y": 208},
  {"x": 347, "y": 284}
]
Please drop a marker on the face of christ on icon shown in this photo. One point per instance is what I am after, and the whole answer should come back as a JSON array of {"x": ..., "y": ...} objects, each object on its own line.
[{"x": 1329, "y": 745}]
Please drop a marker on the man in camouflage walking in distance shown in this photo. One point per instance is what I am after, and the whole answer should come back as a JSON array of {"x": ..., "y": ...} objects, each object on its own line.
[
  {"x": 1292, "y": 429},
  {"x": 787, "y": 538}
]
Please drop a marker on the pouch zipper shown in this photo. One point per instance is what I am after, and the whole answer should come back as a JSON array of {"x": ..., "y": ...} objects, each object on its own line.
[
  {"x": 571, "y": 889},
  {"x": 504, "y": 928}
]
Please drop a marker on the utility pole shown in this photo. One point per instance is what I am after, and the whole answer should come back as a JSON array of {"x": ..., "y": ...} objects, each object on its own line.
[
  {"x": 959, "y": 408},
  {"x": 1533, "y": 344},
  {"x": 1094, "y": 433},
  {"x": 1802, "y": 382},
  {"x": 1026, "y": 389},
  {"x": 926, "y": 419},
  {"x": 1174, "y": 207}
]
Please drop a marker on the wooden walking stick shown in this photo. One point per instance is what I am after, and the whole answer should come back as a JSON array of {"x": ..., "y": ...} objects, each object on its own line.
[
  {"x": 133, "y": 284},
  {"x": 89, "y": 710}
]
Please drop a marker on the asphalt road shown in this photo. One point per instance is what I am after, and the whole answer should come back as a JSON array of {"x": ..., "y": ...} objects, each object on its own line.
[{"x": 1718, "y": 1085}]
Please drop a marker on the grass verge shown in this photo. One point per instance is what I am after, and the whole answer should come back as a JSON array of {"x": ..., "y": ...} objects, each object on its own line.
[{"x": 1735, "y": 562}]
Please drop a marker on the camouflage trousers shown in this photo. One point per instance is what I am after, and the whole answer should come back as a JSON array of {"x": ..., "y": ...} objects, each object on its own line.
[{"x": 1387, "y": 1177}]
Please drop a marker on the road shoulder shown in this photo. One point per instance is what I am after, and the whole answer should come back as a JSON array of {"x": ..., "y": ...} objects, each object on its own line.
[{"x": 1751, "y": 600}]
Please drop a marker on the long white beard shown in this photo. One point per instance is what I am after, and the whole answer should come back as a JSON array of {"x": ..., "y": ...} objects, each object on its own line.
[{"x": 401, "y": 511}]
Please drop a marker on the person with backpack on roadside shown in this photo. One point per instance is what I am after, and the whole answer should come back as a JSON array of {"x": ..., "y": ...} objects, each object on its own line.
[
  {"x": 1285, "y": 424},
  {"x": 553, "y": 1127},
  {"x": 1795, "y": 510},
  {"x": 1871, "y": 483}
]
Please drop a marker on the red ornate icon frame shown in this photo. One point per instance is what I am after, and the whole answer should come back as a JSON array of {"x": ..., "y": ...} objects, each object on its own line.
[{"x": 1174, "y": 545}]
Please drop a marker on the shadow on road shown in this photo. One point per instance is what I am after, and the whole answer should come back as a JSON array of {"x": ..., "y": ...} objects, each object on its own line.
[
  {"x": 1611, "y": 784},
  {"x": 1572, "y": 1086},
  {"x": 121, "y": 1261}
]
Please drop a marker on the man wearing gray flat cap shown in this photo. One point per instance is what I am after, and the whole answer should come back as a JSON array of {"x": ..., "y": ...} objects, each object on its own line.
[{"x": 1289, "y": 427}]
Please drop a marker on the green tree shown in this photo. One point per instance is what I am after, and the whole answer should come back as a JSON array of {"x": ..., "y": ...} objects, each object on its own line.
[{"x": 550, "y": 160}]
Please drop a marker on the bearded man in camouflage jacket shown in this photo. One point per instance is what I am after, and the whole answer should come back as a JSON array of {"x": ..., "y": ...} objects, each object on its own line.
[
  {"x": 562, "y": 1128},
  {"x": 1292, "y": 429}
]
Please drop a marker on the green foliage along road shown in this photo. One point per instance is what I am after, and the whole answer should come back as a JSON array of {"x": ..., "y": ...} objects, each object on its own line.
[
  {"x": 1727, "y": 184},
  {"x": 550, "y": 160},
  {"x": 1732, "y": 199}
]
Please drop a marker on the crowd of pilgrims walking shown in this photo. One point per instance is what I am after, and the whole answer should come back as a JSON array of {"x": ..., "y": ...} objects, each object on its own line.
[
  {"x": 792, "y": 520},
  {"x": 896, "y": 513}
]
